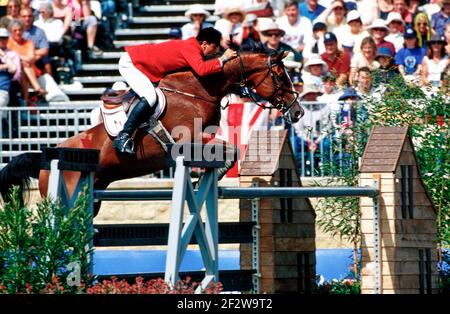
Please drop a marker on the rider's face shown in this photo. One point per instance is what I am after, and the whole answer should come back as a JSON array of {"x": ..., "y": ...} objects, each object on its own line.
[{"x": 209, "y": 48}]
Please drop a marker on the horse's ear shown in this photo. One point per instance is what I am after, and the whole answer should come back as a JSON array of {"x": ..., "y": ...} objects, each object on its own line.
[{"x": 281, "y": 56}]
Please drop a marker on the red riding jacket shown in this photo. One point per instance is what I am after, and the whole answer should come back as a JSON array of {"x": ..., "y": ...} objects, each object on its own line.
[{"x": 156, "y": 60}]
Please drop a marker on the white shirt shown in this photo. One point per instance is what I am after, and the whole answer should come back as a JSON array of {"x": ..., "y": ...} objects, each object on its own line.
[
  {"x": 396, "y": 39},
  {"x": 298, "y": 33},
  {"x": 366, "y": 9},
  {"x": 223, "y": 26},
  {"x": 435, "y": 69},
  {"x": 307, "y": 51},
  {"x": 188, "y": 30},
  {"x": 53, "y": 29},
  {"x": 351, "y": 40}
]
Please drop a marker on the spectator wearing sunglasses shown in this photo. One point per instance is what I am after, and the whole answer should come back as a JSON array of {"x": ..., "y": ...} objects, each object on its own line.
[
  {"x": 423, "y": 28},
  {"x": 273, "y": 34}
]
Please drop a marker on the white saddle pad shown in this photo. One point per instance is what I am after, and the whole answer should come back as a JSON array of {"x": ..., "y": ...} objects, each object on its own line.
[{"x": 114, "y": 117}]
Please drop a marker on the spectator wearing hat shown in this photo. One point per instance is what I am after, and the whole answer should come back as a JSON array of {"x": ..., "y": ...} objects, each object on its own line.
[
  {"x": 298, "y": 28},
  {"x": 396, "y": 26},
  {"x": 409, "y": 58},
  {"x": 440, "y": 19},
  {"x": 338, "y": 61},
  {"x": 315, "y": 45},
  {"x": 423, "y": 28},
  {"x": 198, "y": 15},
  {"x": 435, "y": 61},
  {"x": 378, "y": 30},
  {"x": 388, "y": 72},
  {"x": 310, "y": 131},
  {"x": 9, "y": 70},
  {"x": 231, "y": 24},
  {"x": 347, "y": 114},
  {"x": 354, "y": 34},
  {"x": 311, "y": 9},
  {"x": 273, "y": 34},
  {"x": 313, "y": 70}
]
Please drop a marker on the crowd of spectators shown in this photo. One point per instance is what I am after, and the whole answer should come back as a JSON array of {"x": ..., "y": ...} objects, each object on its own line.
[
  {"x": 343, "y": 51},
  {"x": 347, "y": 35},
  {"x": 38, "y": 40}
]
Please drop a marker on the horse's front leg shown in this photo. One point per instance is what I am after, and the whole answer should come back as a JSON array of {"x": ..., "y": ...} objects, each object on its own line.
[{"x": 230, "y": 153}]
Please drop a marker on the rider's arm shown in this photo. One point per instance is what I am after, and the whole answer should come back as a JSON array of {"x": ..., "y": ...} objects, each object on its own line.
[{"x": 194, "y": 58}]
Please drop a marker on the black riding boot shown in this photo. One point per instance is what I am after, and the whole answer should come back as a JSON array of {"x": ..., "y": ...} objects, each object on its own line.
[{"x": 140, "y": 114}]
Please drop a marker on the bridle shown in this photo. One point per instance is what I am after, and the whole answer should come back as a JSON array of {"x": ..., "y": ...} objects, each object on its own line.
[{"x": 276, "y": 97}]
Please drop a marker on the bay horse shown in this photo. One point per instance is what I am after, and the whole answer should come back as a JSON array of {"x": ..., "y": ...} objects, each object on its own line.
[{"x": 188, "y": 97}]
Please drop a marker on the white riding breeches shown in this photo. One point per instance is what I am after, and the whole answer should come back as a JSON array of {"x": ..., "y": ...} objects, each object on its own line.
[{"x": 137, "y": 80}]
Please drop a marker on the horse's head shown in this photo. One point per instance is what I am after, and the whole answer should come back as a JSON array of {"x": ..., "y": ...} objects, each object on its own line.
[{"x": 268, "y": 77}]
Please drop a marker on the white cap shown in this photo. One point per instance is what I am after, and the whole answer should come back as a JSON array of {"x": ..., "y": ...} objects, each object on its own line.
[
  {"x": 289, "y": 61},
  {"x": 394, "y": 16},
  {"x": 315, "y": 59},
  {"x": 272, "y": 27},
  {"x": 4, "y": 32},
  {"x": 197, "y": 9},
  {"x": 353, "y": 15},
  {"x": 378, "y": 23}
]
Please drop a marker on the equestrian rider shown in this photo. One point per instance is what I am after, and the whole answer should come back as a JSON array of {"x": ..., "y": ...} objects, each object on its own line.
[{"x": 142, "y": 66}]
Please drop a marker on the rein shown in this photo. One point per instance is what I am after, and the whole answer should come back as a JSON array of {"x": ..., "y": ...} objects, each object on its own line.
[
  {"x": 243, "y": 84},
  {"x": 276, "y": 85},
  {"x": 176, "y": 91}
]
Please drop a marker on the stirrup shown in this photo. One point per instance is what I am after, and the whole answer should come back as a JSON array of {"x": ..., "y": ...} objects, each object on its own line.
[{"x": 124, "y": 147}]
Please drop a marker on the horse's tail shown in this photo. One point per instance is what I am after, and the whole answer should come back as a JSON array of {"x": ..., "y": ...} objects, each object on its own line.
[{"x": 18, "y": 172}]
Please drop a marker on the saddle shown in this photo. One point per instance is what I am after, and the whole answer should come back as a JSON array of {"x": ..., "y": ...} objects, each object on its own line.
[{"x": 116, "y": 106}]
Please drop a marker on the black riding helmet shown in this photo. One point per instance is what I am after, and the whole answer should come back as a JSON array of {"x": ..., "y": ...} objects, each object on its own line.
[{"x": 210, "y": 35}]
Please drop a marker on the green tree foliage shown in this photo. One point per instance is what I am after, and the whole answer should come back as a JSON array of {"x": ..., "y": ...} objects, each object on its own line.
[{"x": 399, "y": 105}]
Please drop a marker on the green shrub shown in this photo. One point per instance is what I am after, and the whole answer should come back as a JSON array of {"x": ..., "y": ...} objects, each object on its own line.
[{"x": 40, "y": 245}]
